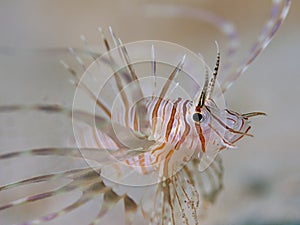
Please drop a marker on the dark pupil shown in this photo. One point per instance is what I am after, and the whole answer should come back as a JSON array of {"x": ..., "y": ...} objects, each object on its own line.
[{"x": 197, "y": 117}]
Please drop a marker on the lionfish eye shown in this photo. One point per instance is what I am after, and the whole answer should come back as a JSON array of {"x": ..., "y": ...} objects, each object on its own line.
[{"x": 197, "y": 117}]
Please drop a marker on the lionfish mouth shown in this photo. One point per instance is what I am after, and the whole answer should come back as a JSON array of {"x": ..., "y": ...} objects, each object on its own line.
[{"x": 230, "y": 129}]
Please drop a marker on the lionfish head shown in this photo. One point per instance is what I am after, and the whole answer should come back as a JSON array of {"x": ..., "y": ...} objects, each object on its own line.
[{"x": 217, "y": 128}]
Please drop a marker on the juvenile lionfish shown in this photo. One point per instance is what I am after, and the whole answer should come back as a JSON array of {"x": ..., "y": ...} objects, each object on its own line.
[{"x": 147, "y": 131}]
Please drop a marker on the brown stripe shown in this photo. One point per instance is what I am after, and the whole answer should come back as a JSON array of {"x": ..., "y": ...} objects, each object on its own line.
[
  {"x": 201, "y": 137},
  {"x": 187, "y": 127},
  {"x": 241, "y": 135},
  {"x": 135, "y": 122},
  {"x": 164, "y": 111},
  {"x": 233, "y": 142},
  {"x": 142, "y": 163},
  {"x": 154, "y": 113},
  {"x": 172, "y": 117},
  {"x": 168, "y": 157},
  {"x": 158, "y": 155},
  {"x": 159, "y": 147},
  {"x": 141, "y": 159},
  {"x": 229, "y": 112}
]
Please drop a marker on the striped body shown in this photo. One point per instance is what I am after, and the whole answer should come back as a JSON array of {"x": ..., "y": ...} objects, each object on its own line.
[{"x": 175, "y": 134}]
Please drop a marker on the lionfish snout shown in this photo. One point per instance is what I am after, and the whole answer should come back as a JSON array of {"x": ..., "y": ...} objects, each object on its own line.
[{"x": 235, "y": 127}]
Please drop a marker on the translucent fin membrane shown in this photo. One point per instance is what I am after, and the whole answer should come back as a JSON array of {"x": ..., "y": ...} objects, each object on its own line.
[
  {"x": 85, "y": 180},
  {"x": 185, "y": 197}
]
